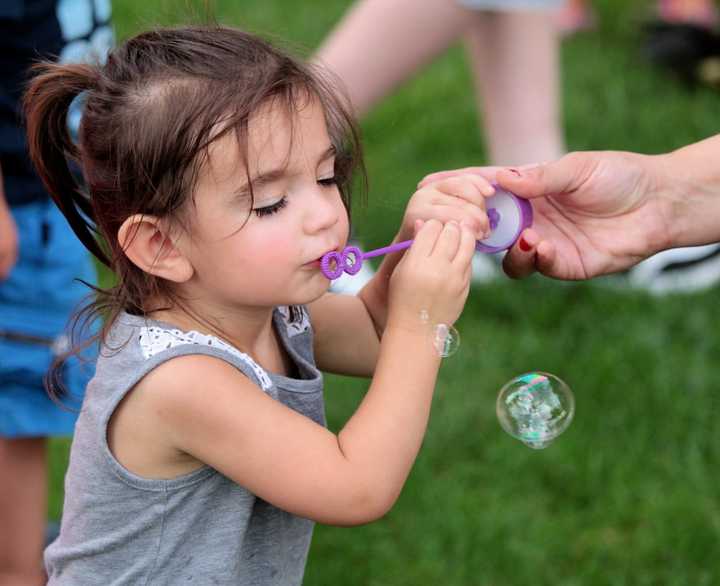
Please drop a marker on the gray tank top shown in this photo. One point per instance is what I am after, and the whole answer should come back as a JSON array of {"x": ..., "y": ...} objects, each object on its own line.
[{"x": 200, "y": 528}]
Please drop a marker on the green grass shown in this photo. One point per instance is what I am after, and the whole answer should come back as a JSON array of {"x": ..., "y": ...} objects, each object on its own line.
[{"x": 629, "y": 494}]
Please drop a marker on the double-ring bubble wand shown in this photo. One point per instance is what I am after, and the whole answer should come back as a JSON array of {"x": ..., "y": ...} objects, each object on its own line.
[{"x": 509, "y": 215}]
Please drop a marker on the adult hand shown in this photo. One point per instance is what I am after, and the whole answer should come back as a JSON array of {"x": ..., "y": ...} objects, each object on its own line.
[{"x": 594, "y": 213}]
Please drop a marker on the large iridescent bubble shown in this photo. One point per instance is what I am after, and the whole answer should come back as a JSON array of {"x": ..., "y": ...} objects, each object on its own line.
[{"x": 535, "y": 408}]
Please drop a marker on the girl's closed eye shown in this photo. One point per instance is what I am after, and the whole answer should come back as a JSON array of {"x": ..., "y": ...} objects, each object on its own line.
[
  {"x": 328, "y": 181},
  {"x": 272, "y": 208}
]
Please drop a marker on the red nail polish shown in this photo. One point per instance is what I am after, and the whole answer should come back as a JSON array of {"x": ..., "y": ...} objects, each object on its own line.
[{"x": 524, "y": 246}]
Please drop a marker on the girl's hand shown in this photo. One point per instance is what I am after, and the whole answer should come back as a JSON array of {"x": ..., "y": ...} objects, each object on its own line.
[
  {"x": 460, "y": 198},
  {"x": 431, "y": 282},
  {"x": 594, "y": 213}
]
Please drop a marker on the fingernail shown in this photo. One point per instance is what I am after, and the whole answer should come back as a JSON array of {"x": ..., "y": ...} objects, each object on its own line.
[{"x": 524, "y": 246}]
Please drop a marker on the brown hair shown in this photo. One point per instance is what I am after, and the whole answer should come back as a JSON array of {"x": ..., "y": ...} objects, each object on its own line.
[{"x": 150, "y": 114}]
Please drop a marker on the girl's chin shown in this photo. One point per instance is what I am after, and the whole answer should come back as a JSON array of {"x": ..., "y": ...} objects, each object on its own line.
[{"x": 315, "y": 288}]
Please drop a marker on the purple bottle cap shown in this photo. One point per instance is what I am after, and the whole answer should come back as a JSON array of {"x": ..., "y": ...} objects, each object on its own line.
[{"x": 509, "y": 215}]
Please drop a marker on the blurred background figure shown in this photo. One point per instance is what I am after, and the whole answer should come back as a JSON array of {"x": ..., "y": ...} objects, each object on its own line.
[
  {"x": 512, "y": 48},
  {"x": 40, "y": 260},
  {"x": 513, "y": 53},
  {"x": 578, "y": 15}
]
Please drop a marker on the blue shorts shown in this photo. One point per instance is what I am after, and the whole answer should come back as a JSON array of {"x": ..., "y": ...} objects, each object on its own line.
[{"x": 36, "y": 304}]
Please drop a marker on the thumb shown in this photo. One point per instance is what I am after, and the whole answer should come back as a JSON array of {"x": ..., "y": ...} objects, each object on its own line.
[{"x": 565, "y": 175}]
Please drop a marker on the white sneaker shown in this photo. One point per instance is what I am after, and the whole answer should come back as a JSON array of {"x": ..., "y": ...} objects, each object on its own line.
[{"x": 678, "y": 270}]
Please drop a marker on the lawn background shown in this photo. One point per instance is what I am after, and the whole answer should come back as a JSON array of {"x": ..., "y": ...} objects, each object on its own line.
[{"x": 629, "y": 494}]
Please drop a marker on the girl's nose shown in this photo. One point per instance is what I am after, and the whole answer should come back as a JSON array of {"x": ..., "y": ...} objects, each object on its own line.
[{"x": 323, "y": 212}]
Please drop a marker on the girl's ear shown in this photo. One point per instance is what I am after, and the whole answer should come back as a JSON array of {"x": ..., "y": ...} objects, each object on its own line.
[{"x": 146, "y": 242}]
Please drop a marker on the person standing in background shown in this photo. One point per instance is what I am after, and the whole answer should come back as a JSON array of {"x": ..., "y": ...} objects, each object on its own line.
[
  {"x": 578, "y": 15},
  {"x": 512, "y": 47},
  {"x": 40, "y": 260}
]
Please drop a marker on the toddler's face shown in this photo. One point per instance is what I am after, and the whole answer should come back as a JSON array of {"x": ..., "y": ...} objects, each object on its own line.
[{"x": 271, "y": 256}]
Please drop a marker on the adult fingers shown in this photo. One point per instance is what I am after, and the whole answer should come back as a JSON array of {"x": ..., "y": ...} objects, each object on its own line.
[
  {"x": 519, "y": 261},
  {"x": 530, "y": 254},
  {"x": 547, "y": 261},
  {"x": 562, "y": 176}
]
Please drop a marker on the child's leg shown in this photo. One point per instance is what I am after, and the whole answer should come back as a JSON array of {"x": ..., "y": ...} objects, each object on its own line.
[
  {"x": 515, "y": 57},
  {"x": 23, "y": 504},
  {"x": 380, "y": 43}
]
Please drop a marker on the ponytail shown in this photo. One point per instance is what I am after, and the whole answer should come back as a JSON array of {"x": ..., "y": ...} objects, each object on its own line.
[{"x": 47, "y": 102}]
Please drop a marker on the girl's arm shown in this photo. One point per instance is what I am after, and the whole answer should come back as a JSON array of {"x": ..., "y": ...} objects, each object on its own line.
[
  {"x": 348, "y": 329},
  {"x": 207, "y": 409},
  {"x": 345, "y": 339},
  {"x": 8, "y": 235}
]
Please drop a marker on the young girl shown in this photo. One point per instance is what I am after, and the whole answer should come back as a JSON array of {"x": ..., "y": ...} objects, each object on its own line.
[{"x": 217, "y": 172}]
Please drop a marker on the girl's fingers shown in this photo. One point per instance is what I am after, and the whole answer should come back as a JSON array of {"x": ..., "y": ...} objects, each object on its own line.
[
  {"x": 448, "y": 241},
  {"x": 486, "y": 172},
  {"x": 425, "y": 238},
  {"x": 473, "y": 189},
  {"x": 478, "y": 185},
  {"x": 465, "y": 250},
  {"x": 463, "y": 213}
]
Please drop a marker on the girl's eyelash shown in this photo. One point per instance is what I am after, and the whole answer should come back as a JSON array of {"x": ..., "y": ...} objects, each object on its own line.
[
  {"x": 271, "y": 209},
  {"x": 277, "y": 206}
]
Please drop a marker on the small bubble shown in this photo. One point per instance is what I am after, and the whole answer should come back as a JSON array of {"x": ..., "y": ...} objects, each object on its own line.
[{"x": 446, "y": 340}]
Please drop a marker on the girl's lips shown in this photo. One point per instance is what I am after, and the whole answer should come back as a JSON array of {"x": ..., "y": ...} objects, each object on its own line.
[{"x": 315, "y": 264}]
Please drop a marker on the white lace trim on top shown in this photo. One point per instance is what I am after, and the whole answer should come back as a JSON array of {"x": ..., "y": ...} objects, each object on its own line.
[
  {"x": 155, "y": 339},
  {"x": 294, "y": 328}
]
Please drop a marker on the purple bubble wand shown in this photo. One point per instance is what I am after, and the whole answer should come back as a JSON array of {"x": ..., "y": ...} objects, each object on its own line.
[{"x": 508, "y": 214}]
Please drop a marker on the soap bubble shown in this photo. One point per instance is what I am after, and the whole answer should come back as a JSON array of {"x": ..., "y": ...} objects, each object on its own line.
[
  {"x": 446, "y": 340},
  {"x": 535, "y": 408}
]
